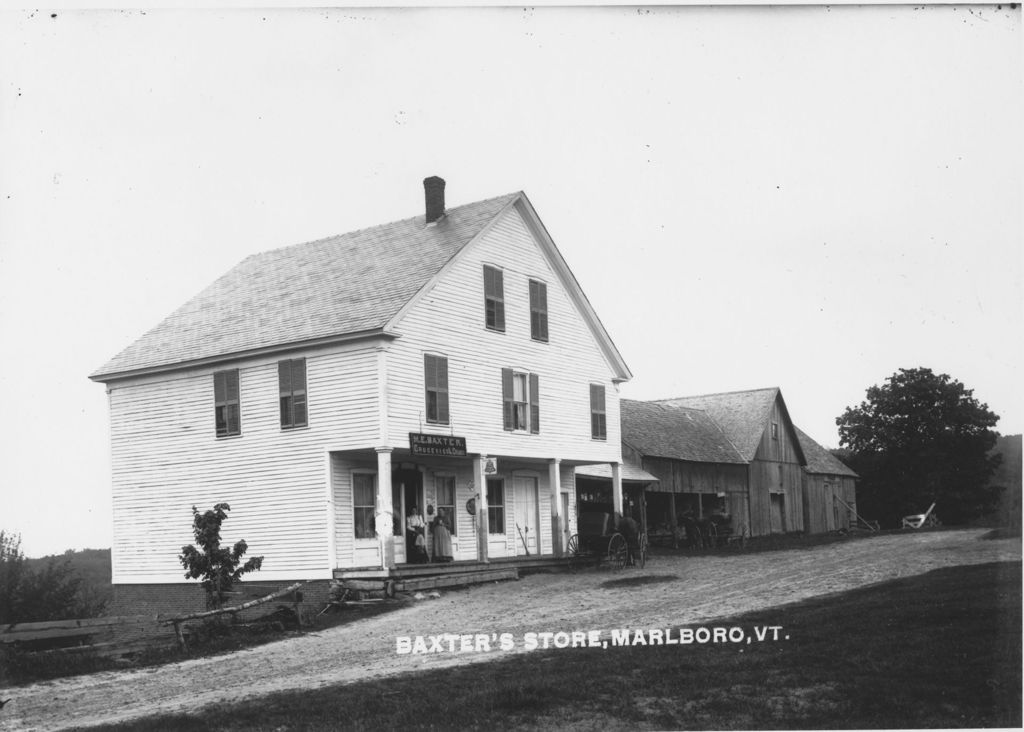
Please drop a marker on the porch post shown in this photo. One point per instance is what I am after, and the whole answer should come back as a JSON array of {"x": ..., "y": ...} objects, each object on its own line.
[
  {"x": 384, "y": 516},
  {"x": 480, "y": 479},
  {"x": 557, "y": 519},
  {"x": 617, "y": 487}
]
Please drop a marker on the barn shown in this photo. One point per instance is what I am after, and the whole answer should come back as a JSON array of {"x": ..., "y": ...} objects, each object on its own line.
[{"x": 736, "y": 455}]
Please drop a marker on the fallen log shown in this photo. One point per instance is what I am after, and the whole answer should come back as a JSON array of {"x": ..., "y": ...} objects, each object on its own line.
[{"x": 179, "y": 620}]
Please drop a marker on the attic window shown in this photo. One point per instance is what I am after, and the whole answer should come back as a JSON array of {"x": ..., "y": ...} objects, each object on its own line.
[
  {"x": 538, "y": 311},
  {"x": 494, "y": 298},
  {"x": 775, "y": 430}
]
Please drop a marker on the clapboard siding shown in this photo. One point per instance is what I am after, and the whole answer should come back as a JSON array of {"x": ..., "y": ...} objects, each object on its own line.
[
  {"x": 449, "y": 321},
  {"x": 166, "y": 458}
]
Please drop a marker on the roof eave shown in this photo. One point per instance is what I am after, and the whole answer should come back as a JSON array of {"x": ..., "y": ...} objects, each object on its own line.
[{"x": 110, "y": 376}]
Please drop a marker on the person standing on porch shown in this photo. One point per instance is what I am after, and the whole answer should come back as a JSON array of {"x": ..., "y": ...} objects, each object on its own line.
[
  {"x": 442, "y": 537},
  {"x": 415, "y": 541}
]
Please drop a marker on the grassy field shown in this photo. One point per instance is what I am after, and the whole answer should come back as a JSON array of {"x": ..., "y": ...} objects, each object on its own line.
[{"x": 941, "y": 649}]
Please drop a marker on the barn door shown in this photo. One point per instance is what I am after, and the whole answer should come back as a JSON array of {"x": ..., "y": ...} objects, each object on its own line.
[
  {"x": 527, "y": 521},
  {"x": 778, "y": 513}
]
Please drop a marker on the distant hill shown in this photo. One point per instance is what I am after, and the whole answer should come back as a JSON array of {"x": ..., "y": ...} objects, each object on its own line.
[{"x": 92, "y": 566}]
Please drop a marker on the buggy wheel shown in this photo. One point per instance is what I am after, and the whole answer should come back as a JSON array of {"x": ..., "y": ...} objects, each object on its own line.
[
  {"x": 572, "y": 552},
  {"x": 645, "y": 549},
  {"x": 617, "y": 551}
]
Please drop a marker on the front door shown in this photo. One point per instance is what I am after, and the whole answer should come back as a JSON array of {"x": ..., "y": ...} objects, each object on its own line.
[
  {"x": 406, "y": 494},
  {"x": 527, "y": 520}
]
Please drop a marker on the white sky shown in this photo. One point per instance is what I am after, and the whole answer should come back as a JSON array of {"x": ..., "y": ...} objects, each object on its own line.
[{"x": 809, "y": 198}]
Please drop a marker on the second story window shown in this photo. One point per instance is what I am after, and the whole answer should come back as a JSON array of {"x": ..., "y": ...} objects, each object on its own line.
[
  {"x": 435, "y": 380},
  {"x": 598, "y": 416},
  {"x": 494, "y": 298},
  {"x": 291, "y": 377},
  {"x": 520, "y": 395},
  {"x": 227, "y": 408},
  {"x": 775, "y": 430},
  {"x": 538, "y": 311}
]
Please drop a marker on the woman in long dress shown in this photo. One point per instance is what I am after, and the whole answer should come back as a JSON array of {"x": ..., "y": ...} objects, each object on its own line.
[{"x": 442, "y": 537}]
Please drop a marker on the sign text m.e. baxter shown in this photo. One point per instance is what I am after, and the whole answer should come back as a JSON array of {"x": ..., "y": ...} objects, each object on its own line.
[{"x": 447, "y": 445}]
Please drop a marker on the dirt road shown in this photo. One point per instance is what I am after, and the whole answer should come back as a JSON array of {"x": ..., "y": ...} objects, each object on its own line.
[{"x": 688, "y": 590}]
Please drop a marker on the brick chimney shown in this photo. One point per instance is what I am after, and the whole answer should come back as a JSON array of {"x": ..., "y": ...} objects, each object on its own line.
[{"x": 433, "y": 190}]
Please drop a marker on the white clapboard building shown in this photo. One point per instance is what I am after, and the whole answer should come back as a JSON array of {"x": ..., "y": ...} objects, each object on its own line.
[{"x": 448, "y": 361}]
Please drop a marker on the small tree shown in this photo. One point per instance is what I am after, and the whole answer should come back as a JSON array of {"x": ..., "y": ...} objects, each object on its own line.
[{"x": 216, "y": 565}]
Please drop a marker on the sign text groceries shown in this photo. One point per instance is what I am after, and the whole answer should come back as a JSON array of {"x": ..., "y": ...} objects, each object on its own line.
[{"x": 490, "y": 642}]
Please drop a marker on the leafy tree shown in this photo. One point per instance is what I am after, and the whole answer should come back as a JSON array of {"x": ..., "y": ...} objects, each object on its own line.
[
  {"x": 217, "y": 566},
  {"x": 52, "y": 592},
  {"x": 920, "y": 438}
]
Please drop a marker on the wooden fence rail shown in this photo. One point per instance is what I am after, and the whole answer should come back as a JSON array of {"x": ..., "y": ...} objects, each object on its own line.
[{"x": 108, "y": 636}]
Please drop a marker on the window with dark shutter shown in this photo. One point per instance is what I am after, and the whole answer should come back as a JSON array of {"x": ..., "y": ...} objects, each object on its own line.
[
  {"x": 291, "y": 377},
  {"x": 534, "y": 397},
  {"x": 538, "y": 311},
  {"x": 520, "y": 401},
  {"x": 435, "y": 379},
  {"x": 227, "y": 408},
  {"x": 598, "y": 416},
  {"x": 494, "y": 298}
]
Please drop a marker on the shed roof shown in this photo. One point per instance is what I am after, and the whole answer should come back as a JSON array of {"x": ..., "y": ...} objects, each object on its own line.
[
  {"x": 742, "y": 415},
  {"x": 820, "y": 460},
  {"x": 669, "y": 431},
  {"x": 629, "y": 473}
]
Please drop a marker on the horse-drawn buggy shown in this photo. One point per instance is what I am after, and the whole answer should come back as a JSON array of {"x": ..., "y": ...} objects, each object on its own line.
[{"x": 599, "y": 538}]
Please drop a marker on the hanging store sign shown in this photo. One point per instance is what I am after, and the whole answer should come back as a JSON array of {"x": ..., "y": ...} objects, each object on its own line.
[{"x": 444, "y": 445}]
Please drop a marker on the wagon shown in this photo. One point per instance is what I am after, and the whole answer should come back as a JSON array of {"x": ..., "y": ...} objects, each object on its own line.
[
  {"x": 719, "y": 530},
  {"x": 597, "y": 539}
]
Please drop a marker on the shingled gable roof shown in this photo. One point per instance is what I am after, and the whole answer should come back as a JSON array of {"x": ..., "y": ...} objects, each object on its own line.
[
  {"x": 343, "y": 287},
  {"x": 742, "y": 415},
  {"x": 820, "y": 460},
  {"x": 679, "y": 433}
]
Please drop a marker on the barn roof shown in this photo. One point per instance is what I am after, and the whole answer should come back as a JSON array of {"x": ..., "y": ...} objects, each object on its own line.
[
  {"x": 820, "y": 460},
  {"x": 742, "y": 415},
  {"x": 680, "y": 433}
]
